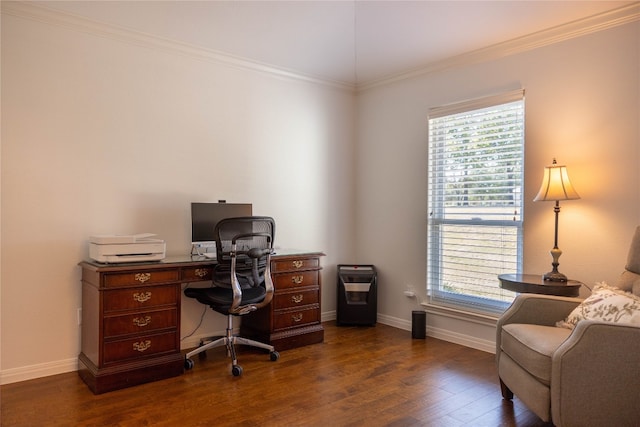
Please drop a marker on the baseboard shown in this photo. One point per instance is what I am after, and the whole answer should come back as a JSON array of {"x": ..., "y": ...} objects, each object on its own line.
[
  {"x": 31, "y": 372},
  {"x": 194, "y": 340},
  {"x": 465, "y": 340},
  {"x": 396, "y": 322},
  {"x": 328, "y": 316},
  {"x": 442, "y": 334},
  {"x": 25, "y": 373}
]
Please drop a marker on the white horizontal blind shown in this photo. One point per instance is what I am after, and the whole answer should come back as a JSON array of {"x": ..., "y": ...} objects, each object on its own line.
[{"x": 476, "y": 157}]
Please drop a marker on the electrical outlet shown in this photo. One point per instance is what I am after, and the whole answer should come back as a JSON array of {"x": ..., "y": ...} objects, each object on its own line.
[
  {"x": 79, "y": 316},
  {"x": 410, "y": 292}
]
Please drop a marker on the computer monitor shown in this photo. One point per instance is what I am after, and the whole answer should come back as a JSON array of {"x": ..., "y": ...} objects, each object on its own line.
[{"x": 205, "y": 216}]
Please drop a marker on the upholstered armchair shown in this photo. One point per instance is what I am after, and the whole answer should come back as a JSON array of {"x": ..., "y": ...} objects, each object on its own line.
[{"x": 565, "y": 363}]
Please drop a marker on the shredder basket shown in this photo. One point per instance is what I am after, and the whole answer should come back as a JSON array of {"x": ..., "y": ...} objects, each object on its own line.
[{"x": 357, "y": 294}]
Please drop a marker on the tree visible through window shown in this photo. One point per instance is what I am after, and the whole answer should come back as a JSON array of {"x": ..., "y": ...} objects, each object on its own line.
[{"x": 475, "y": 199}]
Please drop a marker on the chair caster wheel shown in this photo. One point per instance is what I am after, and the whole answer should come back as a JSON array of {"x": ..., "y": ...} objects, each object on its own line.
[
  {"x": 236, "y": 370},
  {"x": 274, "y": 355},
  {"x": 188, "y": 364}
]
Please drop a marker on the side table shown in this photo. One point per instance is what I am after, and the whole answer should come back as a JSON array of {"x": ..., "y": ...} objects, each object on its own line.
[{"x": 535, "y": 284}]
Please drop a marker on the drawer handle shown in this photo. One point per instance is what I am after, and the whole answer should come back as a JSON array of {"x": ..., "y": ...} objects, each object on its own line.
[
  {"x": 201, "y": 272},
  {"x": 142, "y": 296},
  {"x": 296, "y": 317},
  {"x": 142, "y": 346},
  {"x": 297, "y": 298},
  {"x": 298, "y": 263},
  {"x": 297, "y": 279},
  {"x": 142, "y": 321},
  {"x": 142, "y": 277}
]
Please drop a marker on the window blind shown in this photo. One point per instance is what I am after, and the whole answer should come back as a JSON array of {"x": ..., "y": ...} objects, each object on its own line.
[{"x": 475, "y": 197}]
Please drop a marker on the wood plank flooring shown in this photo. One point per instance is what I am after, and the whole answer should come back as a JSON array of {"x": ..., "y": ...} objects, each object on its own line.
[{"x": 359, "y": 376}]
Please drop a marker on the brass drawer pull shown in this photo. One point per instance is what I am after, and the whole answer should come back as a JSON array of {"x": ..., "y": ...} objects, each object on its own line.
[
  {"x": 142, "y": 346},
  {"x": 142, "y": 296},
  {"x": 142, "y": 277},
  {"x": 297, "y": 298},
  {"x": 296, "y": 317},
  {"x": 298, "y": 263},
  {"x": 201, "y": 272},
  {"x": 297, "y": 279},
  {"x": 142, "y": 321}
]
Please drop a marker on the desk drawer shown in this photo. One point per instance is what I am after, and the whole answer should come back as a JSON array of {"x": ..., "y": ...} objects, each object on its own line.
[
  {"x": 297, "y": 298},
  {"x": 141, "y": 322},
  {"x": 144, "y": 297},
  {"x": 280, "y": 266},
  {"x": 137, "y": 278},
  {"x": 294, "y": 318},
  {"x": 295, "y": 280},
  {"x": 116, "y": 351},
  {"x": 196, "y": 274}
]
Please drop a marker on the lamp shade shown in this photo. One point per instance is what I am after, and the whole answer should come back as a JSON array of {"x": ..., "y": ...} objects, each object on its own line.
[{"x": 556, "y": 184}]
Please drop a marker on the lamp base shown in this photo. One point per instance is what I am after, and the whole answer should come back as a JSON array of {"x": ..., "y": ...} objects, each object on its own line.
[{"x": 554, "y": 276}]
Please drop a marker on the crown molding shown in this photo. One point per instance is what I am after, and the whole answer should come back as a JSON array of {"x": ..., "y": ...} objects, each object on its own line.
[
  {"x": 578, "y": 28},
  {"x": 82, "y": 24},
  {"x": 571, "y": 30}
]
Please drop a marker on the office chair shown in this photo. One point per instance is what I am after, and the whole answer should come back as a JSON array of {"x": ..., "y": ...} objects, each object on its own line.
[{"x": 241, "y": 281}]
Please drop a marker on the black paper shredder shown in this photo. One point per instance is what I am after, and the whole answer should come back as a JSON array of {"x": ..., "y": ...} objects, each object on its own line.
[{"x": 357, "y": 295}]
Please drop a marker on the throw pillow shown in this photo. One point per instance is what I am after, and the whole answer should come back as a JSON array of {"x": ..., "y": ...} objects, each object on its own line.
[{"x": 607, "y": 304}]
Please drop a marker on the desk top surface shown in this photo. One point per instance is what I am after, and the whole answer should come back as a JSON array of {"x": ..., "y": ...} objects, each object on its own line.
[{"x": 185, "y": 260}]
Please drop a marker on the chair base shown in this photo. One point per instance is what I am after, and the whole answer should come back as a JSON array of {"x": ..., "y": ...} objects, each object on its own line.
[{"x": 230, "y": 341}]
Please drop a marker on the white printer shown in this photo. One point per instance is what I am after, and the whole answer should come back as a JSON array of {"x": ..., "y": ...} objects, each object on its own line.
[{"x": 126, "y": 248}]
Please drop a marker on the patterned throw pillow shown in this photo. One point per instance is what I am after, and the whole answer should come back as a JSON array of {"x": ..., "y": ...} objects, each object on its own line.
[{"x": 607, "y": 304}]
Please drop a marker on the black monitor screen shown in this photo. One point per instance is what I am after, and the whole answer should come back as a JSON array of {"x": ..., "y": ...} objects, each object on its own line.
[{"x": 205, "y": 216}]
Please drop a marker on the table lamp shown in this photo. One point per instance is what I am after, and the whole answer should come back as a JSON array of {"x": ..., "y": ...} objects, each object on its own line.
[{"x": 555, "y": 187}]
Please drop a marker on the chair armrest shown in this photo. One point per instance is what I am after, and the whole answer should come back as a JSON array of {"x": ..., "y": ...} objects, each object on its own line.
[
  {"x": 535, "y": 309},
  {"x": 538, "y": 309},
  {"x": 595, "y": 375}
]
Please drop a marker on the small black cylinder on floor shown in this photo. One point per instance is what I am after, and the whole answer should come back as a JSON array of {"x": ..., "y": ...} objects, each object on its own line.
[{"x": 418, "y": 324}]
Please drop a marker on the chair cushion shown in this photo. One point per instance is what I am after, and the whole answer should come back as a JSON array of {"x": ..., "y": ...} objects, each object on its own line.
[
  {"x": 532, "y": 346},
  {"x": 220, "y": 299},
  {"x": 607, "y": 304}
]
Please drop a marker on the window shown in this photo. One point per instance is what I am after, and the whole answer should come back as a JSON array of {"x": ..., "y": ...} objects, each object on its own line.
[{"x": 475, "y": 199}]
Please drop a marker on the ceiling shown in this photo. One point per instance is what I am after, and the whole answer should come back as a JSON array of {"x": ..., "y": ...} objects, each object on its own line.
[{"x": 348, "y": 42}]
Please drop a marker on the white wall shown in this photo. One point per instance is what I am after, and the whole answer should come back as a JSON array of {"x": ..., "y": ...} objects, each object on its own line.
[
  {"x": 102, "y": 135},
  {"x": 582, "y": 107},
  {"x": 107, "y": 136}
]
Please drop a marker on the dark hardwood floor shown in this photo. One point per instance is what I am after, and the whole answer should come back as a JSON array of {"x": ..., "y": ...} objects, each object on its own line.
[{"x": 372, "y": 376}]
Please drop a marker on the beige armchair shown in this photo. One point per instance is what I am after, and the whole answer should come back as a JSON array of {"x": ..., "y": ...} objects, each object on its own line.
[{"x": 586, "y": 376}]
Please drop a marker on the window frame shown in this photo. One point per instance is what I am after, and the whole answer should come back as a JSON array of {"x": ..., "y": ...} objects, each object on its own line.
[{"x": 436, "y": 289}]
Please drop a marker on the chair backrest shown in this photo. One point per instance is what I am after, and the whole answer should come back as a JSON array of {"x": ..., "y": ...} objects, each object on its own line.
[
  {"x": 243, "y": 247},
  {"x": 248, "y": 232},
  {"x": 630, "y": 278}
]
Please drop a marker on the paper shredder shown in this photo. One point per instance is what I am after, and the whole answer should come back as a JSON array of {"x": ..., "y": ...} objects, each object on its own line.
[{"x": 357, "y": 295}]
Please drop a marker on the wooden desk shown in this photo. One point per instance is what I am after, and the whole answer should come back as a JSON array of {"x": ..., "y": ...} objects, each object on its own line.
[
  {"x": 131, "y": 315},
  {"x": 535, "y": 284},
  {"x": 292, "y": 319}
]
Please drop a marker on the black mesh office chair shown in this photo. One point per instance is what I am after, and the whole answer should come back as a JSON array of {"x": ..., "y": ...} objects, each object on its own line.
[{"x": 241, "y": 281}]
